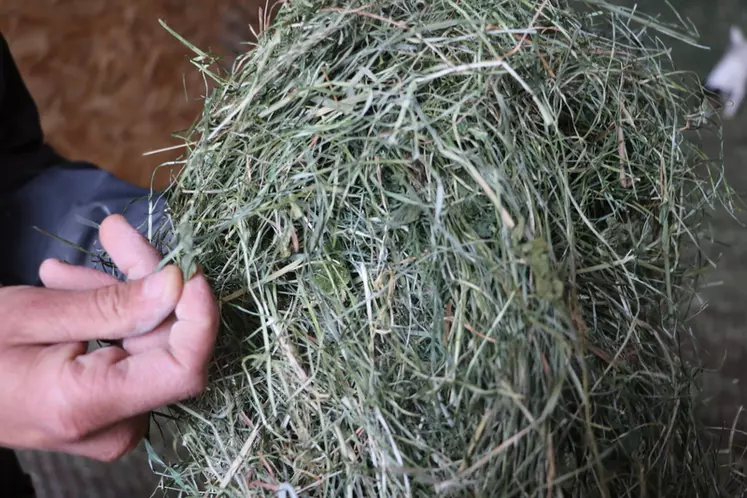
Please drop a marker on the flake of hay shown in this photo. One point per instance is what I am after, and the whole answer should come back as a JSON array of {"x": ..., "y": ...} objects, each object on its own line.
[{"x": 434, "y": 279}]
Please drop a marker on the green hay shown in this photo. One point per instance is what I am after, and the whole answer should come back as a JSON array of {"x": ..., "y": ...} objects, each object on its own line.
[{"x": 450, "y": 240}]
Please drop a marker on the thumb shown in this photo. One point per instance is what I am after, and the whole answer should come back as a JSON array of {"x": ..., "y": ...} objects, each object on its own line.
[{"x": 112, "y": 312}]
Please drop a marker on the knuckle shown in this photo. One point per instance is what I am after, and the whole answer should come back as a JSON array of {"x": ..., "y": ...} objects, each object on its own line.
[
  {"x": 68, "y": 426},
  {"x": 70, "y": 418},
  {"x": 107, "y": 456},
  {"x": 109, "y": 302},
  {"x": 121, "y": 444},
  {"x": 110, "y": 453}
]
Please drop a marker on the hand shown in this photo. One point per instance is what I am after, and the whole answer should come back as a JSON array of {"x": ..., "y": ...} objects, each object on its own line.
[{"x": 55, "y": 396}]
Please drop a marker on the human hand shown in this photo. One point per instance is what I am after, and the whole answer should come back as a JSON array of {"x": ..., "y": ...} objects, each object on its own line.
[{"x": 55, "y": 396}]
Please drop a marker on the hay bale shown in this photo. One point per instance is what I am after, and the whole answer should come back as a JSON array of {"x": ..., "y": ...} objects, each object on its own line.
[{"x": 449, "y": 239}]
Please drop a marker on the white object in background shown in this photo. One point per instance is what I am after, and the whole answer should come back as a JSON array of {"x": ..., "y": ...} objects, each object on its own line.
[{"x": 729, "y": 77}]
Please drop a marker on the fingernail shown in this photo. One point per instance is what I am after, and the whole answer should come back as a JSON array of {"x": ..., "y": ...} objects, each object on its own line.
[{"x": 155, "y": 285}]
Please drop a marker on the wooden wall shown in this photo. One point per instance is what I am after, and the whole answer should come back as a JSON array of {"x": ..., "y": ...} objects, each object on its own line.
[{"x": 110, "y": 82}]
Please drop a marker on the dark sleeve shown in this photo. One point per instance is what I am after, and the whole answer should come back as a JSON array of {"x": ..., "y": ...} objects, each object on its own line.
[
  {"x": 23, "y": 151},
  {"x": 14, "y": 482}
]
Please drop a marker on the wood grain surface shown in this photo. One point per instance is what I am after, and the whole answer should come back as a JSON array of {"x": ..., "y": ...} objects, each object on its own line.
[{"x": 110, "y": 82}]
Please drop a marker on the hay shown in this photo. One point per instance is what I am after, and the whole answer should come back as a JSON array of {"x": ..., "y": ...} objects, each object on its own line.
[{"x": 449, "y": 239}]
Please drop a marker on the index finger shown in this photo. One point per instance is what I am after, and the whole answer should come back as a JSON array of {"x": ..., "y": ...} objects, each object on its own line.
[{"x": 129, "y": 250}]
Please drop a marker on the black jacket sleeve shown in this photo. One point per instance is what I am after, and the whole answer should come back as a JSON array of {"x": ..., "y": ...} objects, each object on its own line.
[
  {"x": 23, "y": 151},
  {"x": 14, "y": 482}
]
